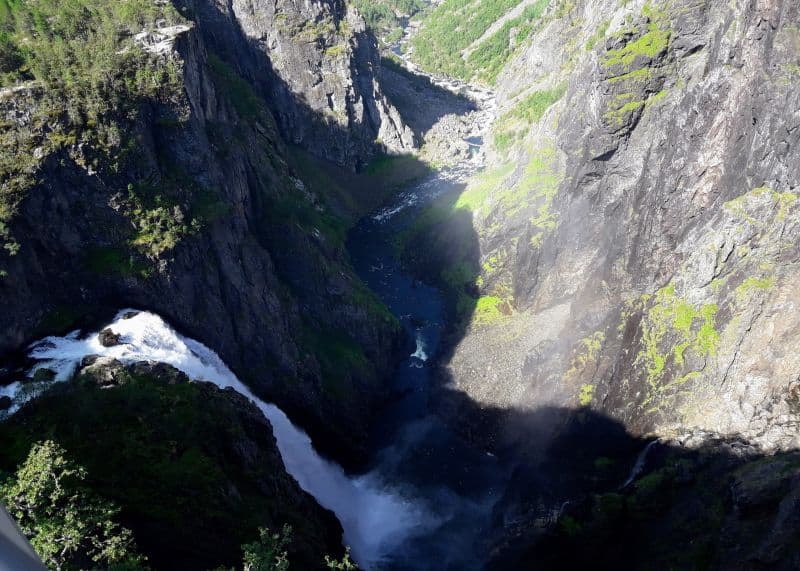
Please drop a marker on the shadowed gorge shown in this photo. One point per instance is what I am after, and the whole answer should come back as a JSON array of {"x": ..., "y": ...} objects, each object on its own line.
[{"x": 416, "y": 286}]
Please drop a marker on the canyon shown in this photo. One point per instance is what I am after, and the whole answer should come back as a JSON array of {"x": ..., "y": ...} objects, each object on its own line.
[{"x": 507, "y": 284}]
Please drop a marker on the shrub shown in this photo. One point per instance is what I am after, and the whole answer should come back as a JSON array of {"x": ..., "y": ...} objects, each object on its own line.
[{"x": 66, "y": 522}]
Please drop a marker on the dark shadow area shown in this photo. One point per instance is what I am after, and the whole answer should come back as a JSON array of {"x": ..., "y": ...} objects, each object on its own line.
[{"x": 420, "y": 101}]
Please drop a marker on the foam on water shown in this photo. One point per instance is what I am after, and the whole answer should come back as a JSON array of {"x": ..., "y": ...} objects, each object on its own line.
[
  {"x": 375, "y": 519},
  {"x": 420, "y": 353}
]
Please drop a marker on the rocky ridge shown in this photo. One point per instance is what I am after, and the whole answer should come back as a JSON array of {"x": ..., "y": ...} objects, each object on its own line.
[
  {"x": 182, "y": 459},
  {"x": 195, "y": 207}
]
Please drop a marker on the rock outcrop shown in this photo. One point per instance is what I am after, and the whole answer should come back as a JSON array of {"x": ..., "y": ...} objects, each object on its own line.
[
  {"x": 318, "y": 67},
  {"x": 195, "y": 469},
  {"x": 195, "y": 208}
]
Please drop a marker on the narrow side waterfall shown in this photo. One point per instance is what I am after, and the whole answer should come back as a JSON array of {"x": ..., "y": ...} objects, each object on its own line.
[
  {"x": 638, "y": 466},
  {"x": 375, "y": 519}
]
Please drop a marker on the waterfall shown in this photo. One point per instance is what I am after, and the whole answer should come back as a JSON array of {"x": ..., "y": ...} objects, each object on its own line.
[
  {"x": 375, "y": 519},
  {"x": 638, "y": 465}
]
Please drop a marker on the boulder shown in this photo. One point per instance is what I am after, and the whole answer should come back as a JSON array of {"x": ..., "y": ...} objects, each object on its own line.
[{"x": 108, "y": 338}]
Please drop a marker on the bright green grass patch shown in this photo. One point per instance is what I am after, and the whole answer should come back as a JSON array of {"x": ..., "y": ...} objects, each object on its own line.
[
  {"x": 536, "y": 188},
  {"x": 672, "y": 320},
  {"x": 586, "y": 395},
  {"x": 478, "y": 192},
  {"x": 514, "y": 125},
  {"x": 649, "y": 45},
  {"x": 532, "y": 108},
  {"x": 490, "y": 309}
]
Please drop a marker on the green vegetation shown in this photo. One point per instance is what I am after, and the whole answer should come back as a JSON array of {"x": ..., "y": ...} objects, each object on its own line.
[
  {"x": 649, "y": 45},
  {"x": 240, "y": 93},
  {"x": 532, "y": 108},
  {"x": 116, "y": 260},
  {"x": 586, "y": 395},
  {"x": 269, "y": 552},
  {"x": 488, "y": 59},
  {"x": 454, "y": 25},
  {"x": 85, "y": 75},
  {"x": 603, "y": 463},
  {"x": 599, "y": 34},
  {"x": 165, "y": 451},
  {"x": 674, "y": 514},
  {"x": 344, "y": 565},
  {"x": 66, "y": 522},
  {"x": 672, "y": 320},
  {"x": 536, "y": 190},
  {"x": 753, "y": 284},
  {"x": 160, "y": 224},
  {"x": 381, "y": 15},
  {"x": 514, "y": 125},
  {"x": 586, "y": 352},
  {"x": 339, "y": 356},
  {"x": 621, "y": 108},
  {"x": 744, "y": 205},
  {"x": 490, "y": 309}
]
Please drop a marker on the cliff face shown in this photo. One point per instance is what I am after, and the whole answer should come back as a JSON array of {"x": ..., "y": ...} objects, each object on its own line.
[
  {"x": 638, "y": 233},
  {"x": 194, "y": 469},
  {"x": 187, "y": 202},
  {"x": 318, "y": 67}
]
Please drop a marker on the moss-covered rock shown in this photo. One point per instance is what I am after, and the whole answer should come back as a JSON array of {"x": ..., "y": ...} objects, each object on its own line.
[{"x": 194, "y": 468}]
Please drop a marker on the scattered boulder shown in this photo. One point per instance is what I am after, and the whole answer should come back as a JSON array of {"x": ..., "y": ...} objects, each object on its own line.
[
  {"x": 103, "y": 372},
  {"x": 108, "y": 338},
  {"x": 129, "y": 314}
]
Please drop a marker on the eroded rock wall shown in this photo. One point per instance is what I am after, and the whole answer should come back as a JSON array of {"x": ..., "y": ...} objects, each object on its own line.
[
  {"x": 641, "y": 233},
  {"x": 199, "y": 215}
]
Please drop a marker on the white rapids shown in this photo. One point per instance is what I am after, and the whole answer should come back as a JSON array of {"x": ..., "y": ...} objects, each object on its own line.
[{"x": 375, "y": 519}]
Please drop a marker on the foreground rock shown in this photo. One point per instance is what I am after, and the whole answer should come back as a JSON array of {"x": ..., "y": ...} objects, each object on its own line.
[
  {"x": 108, "y": 338},
  {"x": 194, "y": 468}
]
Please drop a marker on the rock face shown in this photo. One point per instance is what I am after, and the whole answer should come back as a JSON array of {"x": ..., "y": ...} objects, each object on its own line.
[
  {"x": 195, "y": 469},
  {"x": 203, "y": 217},
  {"x": 319, "y": 68},
  {"x": 638, "y": 233},
  {"x": 631, "y": 254}
]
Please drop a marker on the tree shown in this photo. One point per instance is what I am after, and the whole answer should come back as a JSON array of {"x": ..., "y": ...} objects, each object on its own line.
[
  {"x": 269, "y": 552},
  {"x": 344, "y": 565},
  {"x": 68, "y": 525}
]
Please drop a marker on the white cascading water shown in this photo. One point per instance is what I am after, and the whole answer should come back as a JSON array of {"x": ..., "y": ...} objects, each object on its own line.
[
  {"x": 375, "y": 519},
  {"x": 638, "y": 466}
]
